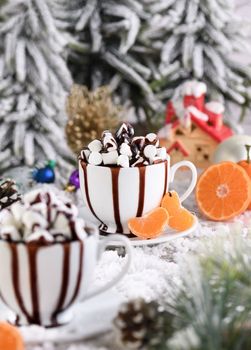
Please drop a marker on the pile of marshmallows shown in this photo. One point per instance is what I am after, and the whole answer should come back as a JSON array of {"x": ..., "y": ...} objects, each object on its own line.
[
  {"x": 124, "y": 150},
  {"x": 41, "y": 216}
]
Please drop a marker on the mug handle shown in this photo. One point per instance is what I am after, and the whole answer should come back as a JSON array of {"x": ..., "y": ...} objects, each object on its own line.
[
  {"x": 191, "y": 166},
  {"x": 103, "y": 244}
]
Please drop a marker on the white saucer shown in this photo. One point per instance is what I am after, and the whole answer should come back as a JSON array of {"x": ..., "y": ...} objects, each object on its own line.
[
  {"x": 166, "y": 236},
  {"x": 91, "y": 318}
]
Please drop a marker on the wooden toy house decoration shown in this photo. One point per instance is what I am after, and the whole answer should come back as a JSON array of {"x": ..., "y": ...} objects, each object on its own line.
[{"x": 193, "y": 128}]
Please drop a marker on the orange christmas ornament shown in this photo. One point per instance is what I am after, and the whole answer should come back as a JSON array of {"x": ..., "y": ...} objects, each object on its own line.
[
  {"x": 246, "y": 165},
  {"x": 10, "y": 338},
  {"x": 223, "y": 191},
  {"x": 180, "y": 219},
  {"x": 150, "y": 225}
]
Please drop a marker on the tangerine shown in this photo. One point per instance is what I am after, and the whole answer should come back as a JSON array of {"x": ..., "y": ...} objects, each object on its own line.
[
  {"x": 246, "y": 165},
  {"x": 150, "y": 225},
  {"x": 180, "y": 219},
  {"x": 10, "y": 337},
  {"x": 223, "y": 191}
]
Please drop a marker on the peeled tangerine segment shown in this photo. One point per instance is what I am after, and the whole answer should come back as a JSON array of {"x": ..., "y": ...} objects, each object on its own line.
[
  {"x": 223, "y": 191},
  {"x": 180, "y": 219},
  {"x": 10, "y": 337},
  {"x": 150, "y": 225}
]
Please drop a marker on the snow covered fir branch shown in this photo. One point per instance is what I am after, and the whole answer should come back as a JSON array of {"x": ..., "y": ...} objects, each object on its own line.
[
  {"x": 208, "y": 309},
  {"x": 142, "y": 49},
  {"x": 34, "y": 80},
  {"x": 145, "y": 49}
]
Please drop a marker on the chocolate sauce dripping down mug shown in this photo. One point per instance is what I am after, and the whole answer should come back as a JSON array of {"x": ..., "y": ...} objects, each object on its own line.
[
  {"x": 114, "y": 195},
  {"x": 41, "y": 283}
]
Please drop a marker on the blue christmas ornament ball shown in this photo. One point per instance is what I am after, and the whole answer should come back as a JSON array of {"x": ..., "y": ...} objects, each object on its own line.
[{"x": 45, "y": 174}]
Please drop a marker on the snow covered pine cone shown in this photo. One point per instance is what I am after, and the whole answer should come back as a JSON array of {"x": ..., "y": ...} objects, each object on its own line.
[
  {"x": 8, "y": 193},
  {"x": 142, "y": 325}
]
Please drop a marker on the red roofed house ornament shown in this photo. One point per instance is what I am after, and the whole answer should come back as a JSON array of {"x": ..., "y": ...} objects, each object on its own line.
[{"x": 193, "y": 128}]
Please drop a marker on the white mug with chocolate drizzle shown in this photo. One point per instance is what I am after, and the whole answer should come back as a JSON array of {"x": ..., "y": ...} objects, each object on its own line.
[
  {"x": 123, "y": 176},
  {"x": 48, "y": 257}
]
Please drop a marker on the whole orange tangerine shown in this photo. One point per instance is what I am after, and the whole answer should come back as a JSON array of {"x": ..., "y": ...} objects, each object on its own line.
[
  {"x": 246, "y": 165},
  {"x": 223, "y": 191}
]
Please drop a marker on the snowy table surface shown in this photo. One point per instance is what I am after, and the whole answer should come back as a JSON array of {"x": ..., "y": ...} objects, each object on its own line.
[{"x": 149, "y": 275}]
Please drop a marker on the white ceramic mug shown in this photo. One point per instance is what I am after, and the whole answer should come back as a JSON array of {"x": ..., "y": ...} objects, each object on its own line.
[
  {"x": 114, "y": 195},
  {"x": 41, "y": 283}
]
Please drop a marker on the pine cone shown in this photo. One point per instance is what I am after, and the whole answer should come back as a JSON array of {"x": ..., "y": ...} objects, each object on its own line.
[
  {"x": 140, "y": 324},
  {"x": 8, "y": 193},
  {"x": 90, "y": 113}
]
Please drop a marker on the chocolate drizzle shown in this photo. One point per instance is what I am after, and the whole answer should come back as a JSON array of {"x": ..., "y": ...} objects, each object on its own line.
[
  {"x": 65, "y": 281},
  {"x": 142, "y": 177},
  {"x": 115, "y": 195},
  {"x": 32, "y": 250},
  {"x": 32, "y": 254},
  {"x": 84, "y": 167},
  {"x": 166, "y": 174},
  {"x": 15, "y": 280},
  {"x": 79, "y": 278}
]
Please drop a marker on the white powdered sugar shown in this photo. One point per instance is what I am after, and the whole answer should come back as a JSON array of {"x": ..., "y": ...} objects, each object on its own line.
[{"x": 44, "y": 217}]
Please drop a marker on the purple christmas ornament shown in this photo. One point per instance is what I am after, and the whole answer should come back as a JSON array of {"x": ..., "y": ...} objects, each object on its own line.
[
  {"x": 73, "y": 183},
  {"x": 74, "y": 179}
]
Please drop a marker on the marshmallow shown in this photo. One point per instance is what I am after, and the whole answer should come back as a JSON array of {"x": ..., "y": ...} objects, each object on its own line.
[
  {"x": 152, "y": 139},
  {"x": 123, "y": 161},
  {"x": 95, "y": 146},
  {"x": 32, "y": 219},
  {"x": 106, "y": 133},
  {"x": 109, "y": 143},
  {"x": 125, "y": 149},
  {"x": 40, "y": 235},
  {"x": 95, "y": 158},
  {"x": 61, "y": 225},
  {"x": 10, "y": 233},
  {"x": 150, "y": 151},
  {"x": 40, "y": 216},
  {"x": 110, "y": 157},
  {"x": 161, "y": 152}
]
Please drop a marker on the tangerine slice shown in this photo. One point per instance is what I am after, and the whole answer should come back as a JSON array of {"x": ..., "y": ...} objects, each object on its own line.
[
  {"x": 223, "y": 191},
  {"x": 150, "y": 225},
  {"x": 171, "y": 202},
  {"x": 10, "y": 338},
  {"x": 180, "y": 219}
]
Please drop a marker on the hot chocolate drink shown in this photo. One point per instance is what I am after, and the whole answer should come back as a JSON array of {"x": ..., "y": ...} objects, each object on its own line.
[
  {"x": 123, "y": 176},
  {"x": 48, "y": 256}
]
